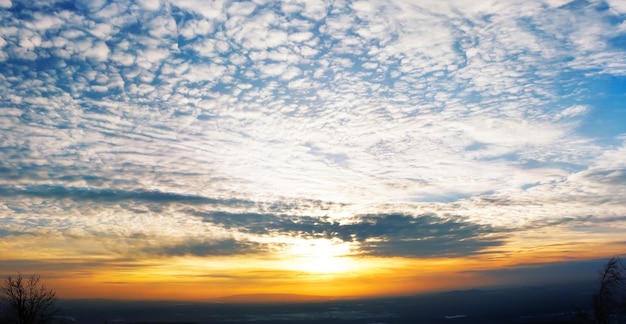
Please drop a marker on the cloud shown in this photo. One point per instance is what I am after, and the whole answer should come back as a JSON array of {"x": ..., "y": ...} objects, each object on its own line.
[
  {"x": 572, "y": 112},
  {"x": 384, "y": 235},
  {"x": 213, "y": 10},
  {"x": 63, "y": 268},
  {"x": 614, "y": 177},
  {"x": 150, "y": 5},
  {"x": 422, "y": 236},
  {"x": 226, "y": 247},
  {"x": 6, "y": 233},
  {"x": 111, "y": 195}
]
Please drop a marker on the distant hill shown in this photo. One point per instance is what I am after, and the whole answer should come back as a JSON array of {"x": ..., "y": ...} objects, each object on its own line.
[
  {"x": 541, "y": 304},
  {"x": 274, "y": 298}
]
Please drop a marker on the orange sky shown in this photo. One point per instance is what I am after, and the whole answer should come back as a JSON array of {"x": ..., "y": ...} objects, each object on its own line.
[{"x": 197, "y": 278}]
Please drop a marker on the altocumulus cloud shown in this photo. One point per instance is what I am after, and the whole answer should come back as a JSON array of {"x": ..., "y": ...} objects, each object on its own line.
[{"x": 217, "y": 126}]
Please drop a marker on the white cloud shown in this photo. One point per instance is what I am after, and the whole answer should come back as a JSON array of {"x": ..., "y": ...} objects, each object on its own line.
[
  {"x": 162, "y": 27},
  {"x": 154, "y": 55},
  {"x": 512, "y": 134},
  {"x": 30, "y": 41},
  {"x": 370, "y": 65},
  {"x": 290, "y": 73},
  {"x": 315, "y": 10},
  {"x": 45, "y": 22},
  {"x": 98, "y": 51},
  {"x": 300, "y": 37},
  {"x": 152, "y": 5},
  {"x": 195, "y": 28},
  {"x": 123, "y": 58},
  {"x": 307, "y": 51},
  {"x": 618, "y": 6},
  {"x": 241, "y": 8},
  {"x": 571, "y": 112},
  {"x": 212, "y": 10},
  {"x": 256, "y": 32}
]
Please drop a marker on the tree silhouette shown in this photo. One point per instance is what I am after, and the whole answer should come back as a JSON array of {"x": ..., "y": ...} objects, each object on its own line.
[
  {"x": 26, "y": 301},
  {"x": 610, "y": 301}
]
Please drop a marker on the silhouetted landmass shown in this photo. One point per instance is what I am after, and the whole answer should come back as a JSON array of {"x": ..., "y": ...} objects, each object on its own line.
[
  {"x": 546, "y": 304},
  {"x": 273, "y": 298}
]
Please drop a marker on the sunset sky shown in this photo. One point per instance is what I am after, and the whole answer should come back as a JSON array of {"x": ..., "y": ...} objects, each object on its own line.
[{"x": 191, "y": 149}]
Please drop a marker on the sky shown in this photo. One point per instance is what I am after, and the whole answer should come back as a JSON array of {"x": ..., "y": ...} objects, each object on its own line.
[{"x": 192, "y": 149}]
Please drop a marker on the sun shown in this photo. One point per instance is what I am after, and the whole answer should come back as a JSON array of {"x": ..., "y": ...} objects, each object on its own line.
[
  {"x": 320, "y": 256},
  {"x": 323, "y": 265}
]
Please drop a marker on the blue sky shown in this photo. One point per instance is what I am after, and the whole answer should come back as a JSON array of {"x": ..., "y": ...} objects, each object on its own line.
[{"x": 414, "y": 129}]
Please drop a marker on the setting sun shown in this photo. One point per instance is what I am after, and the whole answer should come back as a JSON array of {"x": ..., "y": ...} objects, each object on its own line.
[
  {"x": 320, "y": 256},
  {"x": 323, "y": 264}
]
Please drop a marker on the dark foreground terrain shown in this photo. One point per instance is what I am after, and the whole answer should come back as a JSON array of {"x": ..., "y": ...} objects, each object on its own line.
[{"x": 555, "y": 304}]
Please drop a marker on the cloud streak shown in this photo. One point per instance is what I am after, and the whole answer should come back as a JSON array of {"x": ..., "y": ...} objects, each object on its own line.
[{"x": 110, "y": 195}]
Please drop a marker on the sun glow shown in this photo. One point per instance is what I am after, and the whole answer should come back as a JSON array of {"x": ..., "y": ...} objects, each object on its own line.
[
  {"x": 324, "y": 265},
  {"x": 320, "y": 256}
]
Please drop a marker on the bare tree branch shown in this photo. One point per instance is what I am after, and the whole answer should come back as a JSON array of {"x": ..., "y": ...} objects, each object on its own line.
[
  {"x": 610, "y": 299},
  {"x": 27, "y": 300}
]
